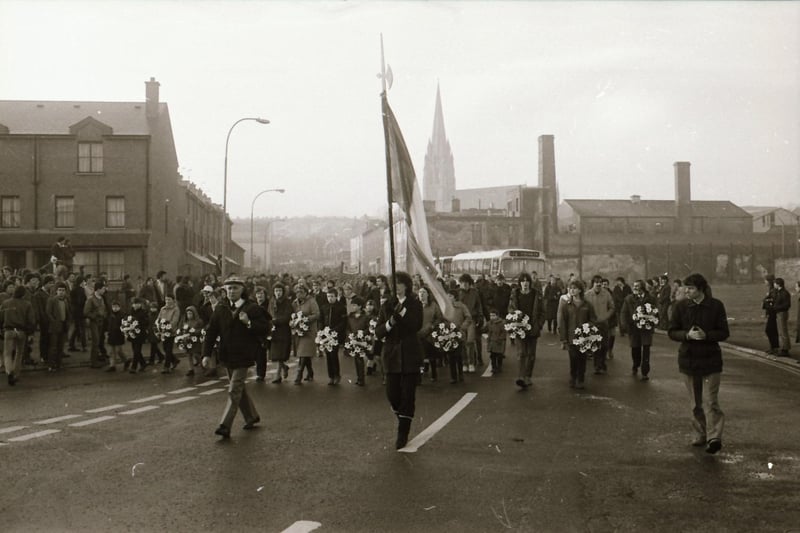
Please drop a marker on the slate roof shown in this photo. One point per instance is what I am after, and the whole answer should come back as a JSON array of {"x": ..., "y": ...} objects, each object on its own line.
[
  {"x": 54, "y": 118},
  {"x": 655, "y": 208}
]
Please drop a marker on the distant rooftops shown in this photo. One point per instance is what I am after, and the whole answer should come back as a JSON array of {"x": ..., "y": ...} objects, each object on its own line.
[
  {"x": 28, "y": 117},
  {"x": 654, "y": 208}
]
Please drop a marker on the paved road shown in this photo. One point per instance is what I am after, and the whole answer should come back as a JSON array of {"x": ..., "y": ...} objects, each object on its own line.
[{"x": 137, "y": 453}]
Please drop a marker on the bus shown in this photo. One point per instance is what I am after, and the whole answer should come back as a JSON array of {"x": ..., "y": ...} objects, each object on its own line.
[{"x": 510, "y": 262}]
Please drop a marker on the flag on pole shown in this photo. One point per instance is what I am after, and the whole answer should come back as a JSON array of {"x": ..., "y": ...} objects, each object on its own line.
[{"x": 405, "y": 192}]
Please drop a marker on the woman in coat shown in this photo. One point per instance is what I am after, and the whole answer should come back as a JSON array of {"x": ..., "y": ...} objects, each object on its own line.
[
  {"x": 640, "y": 339},
  {"x": 305, "y": 347},
  {"x": 574, "y": 311},
  {"x": 431, "y": 316},
  {"x": 280, "y": 309},
  {"x": 399, "y": 321}
]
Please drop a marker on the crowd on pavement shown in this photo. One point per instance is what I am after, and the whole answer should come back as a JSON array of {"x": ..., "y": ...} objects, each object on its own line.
[{"x": 312, "y": 317}]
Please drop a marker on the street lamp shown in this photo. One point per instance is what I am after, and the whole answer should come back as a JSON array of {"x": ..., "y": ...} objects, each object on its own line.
[
  {"x": 223, "y": 227},
  {"x": 252, "y": 205}
]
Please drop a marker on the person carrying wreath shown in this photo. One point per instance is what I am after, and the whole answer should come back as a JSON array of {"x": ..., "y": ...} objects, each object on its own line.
[{"x": 640, "y": 338}]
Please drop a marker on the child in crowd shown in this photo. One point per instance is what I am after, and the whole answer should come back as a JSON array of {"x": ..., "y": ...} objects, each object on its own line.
[
  {"x": 357, "y": 321},
  {"x": 139, "y": 314},
  {"x": 496, "y": 329},
  {"x": 374, "y": 355},
  {"x": 116, "y": 338},
  {"x": 152, "y": 335},
  {"x": 192, "y": 321}
]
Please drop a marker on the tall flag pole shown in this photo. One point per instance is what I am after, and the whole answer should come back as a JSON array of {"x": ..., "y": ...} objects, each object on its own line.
[
  {"x": 403, "y": 188},
  {"x": 388, "y": 172}
]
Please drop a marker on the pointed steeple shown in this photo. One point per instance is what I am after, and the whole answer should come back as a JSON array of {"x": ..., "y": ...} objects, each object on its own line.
[{"x": 438, "y": 178}]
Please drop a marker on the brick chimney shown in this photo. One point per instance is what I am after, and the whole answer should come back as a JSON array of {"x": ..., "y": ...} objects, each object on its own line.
[
  {"x": 683, "y": 197},
  {"x": 547, "y": 181},
  {"x": 151, "y": 98}
]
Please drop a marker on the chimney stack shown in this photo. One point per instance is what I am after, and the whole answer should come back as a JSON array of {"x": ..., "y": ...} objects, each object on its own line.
[
  {"x": 683, "y": 197},
  {"x": 151, "y": 98},
  {"x": 635, "y": 198},
  {"x": 547, "y": 182}
]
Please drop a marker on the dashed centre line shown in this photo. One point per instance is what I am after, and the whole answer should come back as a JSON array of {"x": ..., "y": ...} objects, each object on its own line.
[
  {"x": 57, "y": 419},
  {"x": 212, "y": 391},
  {"x": 140, "y": 410},
  {"x": 181, "y": 391},
  {"x": 92, "y": 421},
  {"x": 208, "y": 383},
  {"x": 149, "y": 398},
  {"x": 302, "y": 526},
  {"x": 36, "y": 435},
  {"x": 180, "y": 400},
  {"x": 12, "y": 429},
  {"x": 106, "y": 408}
]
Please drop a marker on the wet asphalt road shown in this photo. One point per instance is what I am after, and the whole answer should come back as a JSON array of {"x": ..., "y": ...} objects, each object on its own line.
[{"x": 614, "y": 457}]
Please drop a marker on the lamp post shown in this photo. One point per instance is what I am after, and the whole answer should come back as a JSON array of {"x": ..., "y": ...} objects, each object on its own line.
[
  {"x": 223, "y": 227},
  {"x": 252, "y": 206}
]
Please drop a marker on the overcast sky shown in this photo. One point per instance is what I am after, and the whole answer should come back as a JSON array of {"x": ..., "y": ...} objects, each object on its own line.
[{"x": 627, "y": 89}]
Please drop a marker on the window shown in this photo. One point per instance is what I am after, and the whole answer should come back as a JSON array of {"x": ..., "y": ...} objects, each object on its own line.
[
  {"x": 65, "y": 211},
  {"x": 88, "y": 260},
  {"x": 112, "y": 263},
  {"x": 115, "y": 211},
  {"x": 477, "y": 237},
  {"x": 9, "y": 211},
  {"x": 90, "y": 157}
]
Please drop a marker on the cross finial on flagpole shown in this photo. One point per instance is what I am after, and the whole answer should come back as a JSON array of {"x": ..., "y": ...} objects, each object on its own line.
[{"x": 385, "y": 74}]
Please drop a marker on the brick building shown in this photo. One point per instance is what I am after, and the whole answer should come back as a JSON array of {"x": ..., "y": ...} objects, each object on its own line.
[{"x": 104, "y": 175}]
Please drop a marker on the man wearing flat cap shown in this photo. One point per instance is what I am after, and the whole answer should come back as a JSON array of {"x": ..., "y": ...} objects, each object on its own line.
[{"x": 240, "y": 326}]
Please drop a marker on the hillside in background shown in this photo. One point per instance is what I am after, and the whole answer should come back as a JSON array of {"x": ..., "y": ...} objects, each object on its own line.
[{"x": 300, "y": 243}]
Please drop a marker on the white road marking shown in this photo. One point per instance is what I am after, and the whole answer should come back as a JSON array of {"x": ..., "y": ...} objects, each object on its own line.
[
  {"x": 106, "y": 408},
  {"x": 149, "y": 398},
  {"x": 209, "y": 382},
  {"x": 57, "y": 419},
  {"x": 140, "y": 410},
  {"x": 92, "y": 421},
  {"x": 36, "y": 435},
  {"x": 440, "y": 422},
  {"x": 180, "y": 400},
  {"x": 12, "y": 429},
  {"x": 181, "y": 391},
  {"x": 488, "y": 372},
  {"x": 302, "y": 526},
  {"x": 212, "y": 391}
]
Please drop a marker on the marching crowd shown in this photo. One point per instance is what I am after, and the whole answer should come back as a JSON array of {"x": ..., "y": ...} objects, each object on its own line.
[{"x": 311, "y": 317}]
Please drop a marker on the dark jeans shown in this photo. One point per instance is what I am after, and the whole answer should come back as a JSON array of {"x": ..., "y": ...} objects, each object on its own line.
[
  {"x": 359, "y": 363},
  {"x": 261, "y": 362},
  {"x": 641, "y": 357},
  {"x": 456, "y": 360},
  {"x": 332, "y": 359},
  {"x": 56, "y": 346},
  {"x": 44, "y": 342},
  {"x": 577, "y": 364},
  {"x": 171, "y": 360},
  {"x": 78, "y": 333},
  {"x": 138, "y": 358},
  {"x": 771, "y": 329},
  {"x": 155, "y": 353},
  {"x": 401, "y": 390},
  {"x": 497, "y": 361},
  {"x": 304, "y": 362}
]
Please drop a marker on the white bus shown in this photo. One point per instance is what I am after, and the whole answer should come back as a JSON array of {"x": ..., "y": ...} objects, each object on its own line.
[{"x": 511, "y": 262}]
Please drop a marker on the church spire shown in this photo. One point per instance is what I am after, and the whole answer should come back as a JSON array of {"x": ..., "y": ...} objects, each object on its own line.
[{"x": 438, "y": 178}]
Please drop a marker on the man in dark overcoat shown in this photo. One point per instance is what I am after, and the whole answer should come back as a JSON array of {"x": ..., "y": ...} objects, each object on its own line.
[{"x": 240, "y": 326}]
